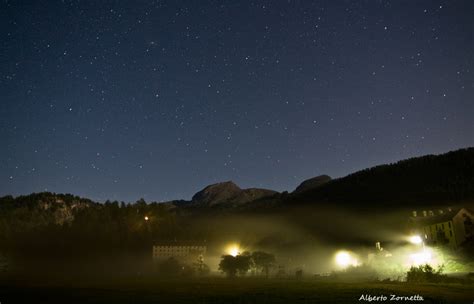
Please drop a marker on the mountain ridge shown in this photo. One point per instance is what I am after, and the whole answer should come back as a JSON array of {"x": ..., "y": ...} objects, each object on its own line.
[
  {"x": 419, "y": 180},
  {"x": 228, "y": 192}
]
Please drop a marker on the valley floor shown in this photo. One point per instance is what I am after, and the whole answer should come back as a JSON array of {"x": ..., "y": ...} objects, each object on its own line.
[{"x": 220, "y": 290}]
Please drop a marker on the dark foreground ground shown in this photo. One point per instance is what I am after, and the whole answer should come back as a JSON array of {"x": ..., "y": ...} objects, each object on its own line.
[{"x": 221, "y": 290}]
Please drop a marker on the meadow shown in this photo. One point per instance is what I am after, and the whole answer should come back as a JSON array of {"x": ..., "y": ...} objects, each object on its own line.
[{"x": 222, "y": 290}]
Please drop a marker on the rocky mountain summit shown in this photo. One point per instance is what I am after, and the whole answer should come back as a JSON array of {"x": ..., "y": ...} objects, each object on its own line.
[
  {"x": 312, "y": 183},
  {"x": 228, "y": 193}
]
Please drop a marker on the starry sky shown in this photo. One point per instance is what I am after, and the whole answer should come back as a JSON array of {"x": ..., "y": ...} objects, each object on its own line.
[{"x": 157, "y": 99}]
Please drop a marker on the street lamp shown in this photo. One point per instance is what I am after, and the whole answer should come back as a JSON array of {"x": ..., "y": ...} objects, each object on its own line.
[
  {"x": 416, "y": 239},
  {"x": 423, "y": 257},
  {"x": 233, "y": 250},
  {"x": 345, "y": 259}
]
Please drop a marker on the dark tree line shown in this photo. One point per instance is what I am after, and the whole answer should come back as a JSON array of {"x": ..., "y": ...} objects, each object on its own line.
[
  {"x": 419, "y": 181},
  {"x": 53, "y": 224},
  {"x": 260, "y": 262}
]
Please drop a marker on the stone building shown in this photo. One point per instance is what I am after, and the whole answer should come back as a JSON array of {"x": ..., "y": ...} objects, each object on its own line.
[
  {"x": 444, "y": 227},
  {"x": 185, "y": 251}
]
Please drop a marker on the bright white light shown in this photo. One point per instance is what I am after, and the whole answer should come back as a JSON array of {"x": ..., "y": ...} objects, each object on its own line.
[
  {"x": 146, "y": 218},
  {"x": 416, "y": 239},
  {"x": 233, "y": 250},
  {"x": 345, "y": 259},
  {"x": 420, "y": 258}
]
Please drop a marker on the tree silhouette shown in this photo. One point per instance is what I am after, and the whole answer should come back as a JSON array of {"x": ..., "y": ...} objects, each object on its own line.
[
  {"x": 231, "y": 265},
  {"x": 263, "y": 261}
]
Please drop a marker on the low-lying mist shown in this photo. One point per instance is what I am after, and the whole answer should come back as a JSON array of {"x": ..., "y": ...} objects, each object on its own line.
[{"x": 305, "y": 239}]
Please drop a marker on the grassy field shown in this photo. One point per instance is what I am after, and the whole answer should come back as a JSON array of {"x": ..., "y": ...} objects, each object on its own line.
[{"x": 220, "y": 290}]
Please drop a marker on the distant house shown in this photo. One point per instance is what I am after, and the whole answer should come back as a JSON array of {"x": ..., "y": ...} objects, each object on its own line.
[
  {"x": 445, "y": 227},
  {"x": 188, "y": 251}
]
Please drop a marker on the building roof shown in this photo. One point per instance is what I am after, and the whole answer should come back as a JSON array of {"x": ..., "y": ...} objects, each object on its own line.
[
  {"x": 435, "y": 219},
  {"x": 180, "y": 243},
  {"x": 446, "y": 216}
]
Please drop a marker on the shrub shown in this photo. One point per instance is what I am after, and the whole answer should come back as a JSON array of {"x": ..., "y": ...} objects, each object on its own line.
[{"x": 425, "y": 274}]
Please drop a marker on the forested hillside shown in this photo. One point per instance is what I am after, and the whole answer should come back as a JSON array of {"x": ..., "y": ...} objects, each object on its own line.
[{"x": 427, "y": 180}]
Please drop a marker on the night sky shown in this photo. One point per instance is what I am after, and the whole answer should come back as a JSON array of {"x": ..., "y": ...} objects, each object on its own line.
[{"x": 157, "y": 99}]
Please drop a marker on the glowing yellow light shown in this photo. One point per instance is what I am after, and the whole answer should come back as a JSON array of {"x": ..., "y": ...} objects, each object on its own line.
[
  {"x": 416, "y": 239},
  {"x": 146, "y": 218},
  {"x": 233, "y": 250},
  {"x": 345, "y": 259}
]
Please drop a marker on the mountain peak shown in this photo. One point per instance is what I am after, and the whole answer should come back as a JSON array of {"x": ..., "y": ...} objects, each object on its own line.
[
  {"x": 312, "y": 183},
  {"x": 216, "y": 193},
  {"x": 228, "y": 192}
]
